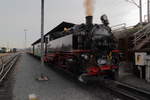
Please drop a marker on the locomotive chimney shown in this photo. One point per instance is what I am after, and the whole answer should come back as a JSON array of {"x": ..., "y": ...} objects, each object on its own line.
[
  {"x": 89, "y": 20},
  {"x": 89, "y": 8}
]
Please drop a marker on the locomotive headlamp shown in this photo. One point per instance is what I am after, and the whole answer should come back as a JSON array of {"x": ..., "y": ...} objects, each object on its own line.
[{"x": 101, "y": 61}]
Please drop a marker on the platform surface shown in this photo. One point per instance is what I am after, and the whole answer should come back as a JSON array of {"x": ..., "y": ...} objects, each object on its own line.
[{"x": 58, "y": 87}]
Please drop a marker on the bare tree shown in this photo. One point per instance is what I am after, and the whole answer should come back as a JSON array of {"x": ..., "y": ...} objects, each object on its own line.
[
  {"x": 133, "y": 2},
  {"x": 139, "y": 6}
]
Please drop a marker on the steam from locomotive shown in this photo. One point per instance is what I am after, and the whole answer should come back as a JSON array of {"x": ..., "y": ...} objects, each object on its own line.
[{"x": 89, "y": 6}]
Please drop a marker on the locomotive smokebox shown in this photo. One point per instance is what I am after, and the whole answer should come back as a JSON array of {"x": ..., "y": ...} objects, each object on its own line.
[{"x": 89, "y": 20}]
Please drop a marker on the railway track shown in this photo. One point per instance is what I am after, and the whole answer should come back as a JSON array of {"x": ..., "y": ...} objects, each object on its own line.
[
  {"x": 7, "y": 66},
  {"x": 5, "y": 77},
  {"x": 126, "y": 91}
]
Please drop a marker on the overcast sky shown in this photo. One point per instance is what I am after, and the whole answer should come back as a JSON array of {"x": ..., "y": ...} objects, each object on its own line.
[{"x": 17, "y": 15}]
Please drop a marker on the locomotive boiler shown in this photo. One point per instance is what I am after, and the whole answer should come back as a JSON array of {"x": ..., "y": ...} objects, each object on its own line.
[{"x": 88, "y": 51}]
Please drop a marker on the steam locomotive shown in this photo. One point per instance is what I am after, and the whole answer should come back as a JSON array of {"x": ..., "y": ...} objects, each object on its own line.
[{"x": 88, "y": 51}]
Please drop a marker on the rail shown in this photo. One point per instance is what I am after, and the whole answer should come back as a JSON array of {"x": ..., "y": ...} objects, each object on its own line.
[
  {"x": 7, "y": 65},
  {"x": 126, "y": 91}
]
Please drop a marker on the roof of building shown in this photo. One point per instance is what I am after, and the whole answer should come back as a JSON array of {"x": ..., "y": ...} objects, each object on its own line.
[
  {"x": 58, "y": 28},
  {"x": 61, "y": 27}
]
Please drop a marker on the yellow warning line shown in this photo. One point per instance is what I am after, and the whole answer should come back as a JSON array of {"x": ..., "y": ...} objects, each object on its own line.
[
  {"x": 33, "y": 97},
  {"x": 4, "y": 54}
]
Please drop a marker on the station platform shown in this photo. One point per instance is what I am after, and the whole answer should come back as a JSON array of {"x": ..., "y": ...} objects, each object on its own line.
[{"x": 58, "y": 87}]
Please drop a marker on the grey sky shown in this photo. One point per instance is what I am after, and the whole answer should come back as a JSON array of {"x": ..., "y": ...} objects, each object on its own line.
[{"x": 17, "y": 15}]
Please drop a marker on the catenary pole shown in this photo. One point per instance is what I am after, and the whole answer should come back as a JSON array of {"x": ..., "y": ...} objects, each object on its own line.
[
  {"x": 148, "y": 11},
  {"x": 25, "y": 30},
  {"x": 42, "y": 32},
  {"x": 140, "y": 11}
]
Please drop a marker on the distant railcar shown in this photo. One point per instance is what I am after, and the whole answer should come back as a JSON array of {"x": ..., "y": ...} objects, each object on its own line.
[{"x": 3, "y": 50}]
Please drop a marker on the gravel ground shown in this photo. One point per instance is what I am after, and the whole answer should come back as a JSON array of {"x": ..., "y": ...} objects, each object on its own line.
[
  {"x": 58, "y": 87},
  {"x": 6, "y": 86},
  {"x": 4, "y": 58}
]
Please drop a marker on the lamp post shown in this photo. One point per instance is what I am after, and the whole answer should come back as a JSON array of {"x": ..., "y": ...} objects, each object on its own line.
[
  {"x": 140, "y": 11},
  {"x": 42, "y": 32},
  {"x": 148, "y": 11},
  {"x": 25, "y": 30}
]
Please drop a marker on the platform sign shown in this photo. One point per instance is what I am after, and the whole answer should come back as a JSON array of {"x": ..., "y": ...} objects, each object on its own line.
[{"x": 140, "y": 58}]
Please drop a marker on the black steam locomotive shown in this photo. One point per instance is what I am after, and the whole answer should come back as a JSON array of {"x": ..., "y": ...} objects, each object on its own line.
[{"x": 88, "y": 51}]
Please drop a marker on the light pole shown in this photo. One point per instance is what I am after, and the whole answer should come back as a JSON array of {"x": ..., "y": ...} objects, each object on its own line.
[
  {"x": 140, "y": 11},
  {"x": 25, "y": 30},
  {"x": 148, "y": 11},
  {"x": 42, "y": 32}
]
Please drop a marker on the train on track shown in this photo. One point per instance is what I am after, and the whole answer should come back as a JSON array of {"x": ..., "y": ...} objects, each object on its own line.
[{"x": 88, "y": 51}]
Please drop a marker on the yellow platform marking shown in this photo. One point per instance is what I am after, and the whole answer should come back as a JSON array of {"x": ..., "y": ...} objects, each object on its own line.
[
  {"x": 4, "y": 54},
  {"x": 33, "y": 97}
]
